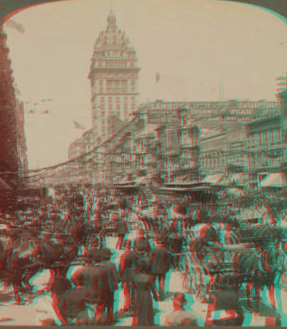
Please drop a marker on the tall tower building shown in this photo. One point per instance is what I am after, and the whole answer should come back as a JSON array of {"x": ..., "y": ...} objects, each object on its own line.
[{"x": 114, "y": 78}]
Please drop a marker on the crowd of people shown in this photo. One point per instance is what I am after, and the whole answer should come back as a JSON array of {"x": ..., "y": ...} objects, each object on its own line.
[{"x": 148, "y": 247}]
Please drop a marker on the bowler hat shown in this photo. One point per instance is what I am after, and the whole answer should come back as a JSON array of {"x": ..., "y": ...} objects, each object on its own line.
[
  {"x": 180, "y": 298},
  {"x": 106, "y": 253}
]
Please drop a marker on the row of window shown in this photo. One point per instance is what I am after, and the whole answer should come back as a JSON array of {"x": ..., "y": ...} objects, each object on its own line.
[
  {"x": 211, "y": 145},
  {"x": 116, "y": 82},
  {"x": 115, "y": 54},
  {"x": 118, "y": 99},
  {"x": 115, "y": 90},
  {"x": 115, "y": 64},
  {"x": 272, "y": 136},
  {"x": 211, "y": 162},
  {"x": 117, "y": 106},
  {"x": 187, "y": 155},
  {"x": 188, "y": 139},
  {"x": 260, "y": 160}
]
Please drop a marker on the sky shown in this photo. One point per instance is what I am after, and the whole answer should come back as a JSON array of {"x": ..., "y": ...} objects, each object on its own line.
[{"x": 196, "y": 46}]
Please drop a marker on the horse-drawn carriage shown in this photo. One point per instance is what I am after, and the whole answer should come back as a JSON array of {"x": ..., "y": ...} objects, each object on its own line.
[{"x": 252, "y": 259}]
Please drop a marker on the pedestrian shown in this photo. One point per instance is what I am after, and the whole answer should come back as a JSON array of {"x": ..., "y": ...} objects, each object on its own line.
[
  {"x": 160, "y": 265},
  {"x": 127, "y": 266},
  {"x": 94, "y": 278},
  {"x": 180, "y": 316},
  {"x": 122, "y": 232},
  {"x": 142, "y": 242},
  {"x": 73, "y": 305},
  {"x": 143, "y": 282},
  {"x": 225, "y": 309},
  {"x": 177, "y": 245},
  {"x": 113, "y": 281}
]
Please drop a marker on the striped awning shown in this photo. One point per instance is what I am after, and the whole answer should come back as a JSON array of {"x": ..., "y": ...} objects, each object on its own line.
[
  {"x": 140, "y": 180},
  {"x": 214, "y": 179},
  {"x": 274, "y": 180}
]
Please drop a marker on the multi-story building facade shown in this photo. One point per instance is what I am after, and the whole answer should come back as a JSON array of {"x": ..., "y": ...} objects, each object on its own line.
[
  {"x": 21, "y": 138},
  {"x": 266, "y": 147},
  {"x": 114, "y": 78},
  {"x": 185, "y": 140},
  {"x": 214, "y": 151},
  {"x": 13, "y": 156},
  {"x": 190, "y": 150}
]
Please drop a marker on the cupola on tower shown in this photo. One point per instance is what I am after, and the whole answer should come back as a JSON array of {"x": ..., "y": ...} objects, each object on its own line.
[{"x": 114, "y": 78}]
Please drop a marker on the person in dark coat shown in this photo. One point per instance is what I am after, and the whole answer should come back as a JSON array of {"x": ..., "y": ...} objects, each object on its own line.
[
  {"x": 160, "y": 265},
  {"x": 73, "y": 305},
  {"x": 176, "y": 243},
  {"x": 143, "y": 282},
  {"x": 142, "y": 243},
  {"x": 59, "y": 285},
  {"x": 126, "y": 269},
  {"x": 95, "y": 279},
  {"x": 122, "y": 231},
  {"x": 113, "y": 281},
  {"x": 225, "y": 310}
]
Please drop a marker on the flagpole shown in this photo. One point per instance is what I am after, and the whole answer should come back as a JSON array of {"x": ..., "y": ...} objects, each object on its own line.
[
  {"x": 222, "y": 87},
  {"x": 157, "y": 83}
]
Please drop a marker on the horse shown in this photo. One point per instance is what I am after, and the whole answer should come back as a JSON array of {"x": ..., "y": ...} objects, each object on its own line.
[
  {"x": 262, "y": 266},
  {"x": 30, "y": 253},
  {"x": 21, "y": 262}
]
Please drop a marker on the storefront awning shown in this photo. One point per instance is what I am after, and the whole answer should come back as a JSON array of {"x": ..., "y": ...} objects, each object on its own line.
[
  {"x": 274, "y": 180},
  {"x": 140, "y": 181},
  {"x": 225, "y": 181},
  {"x": 214, "y": 179}
]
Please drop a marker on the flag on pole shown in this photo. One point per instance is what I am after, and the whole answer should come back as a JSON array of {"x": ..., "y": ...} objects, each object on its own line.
[
  {"x": 79, "y": 125},
  {"x": 157, "y": 77},
  {"x": 14, "y": 25},
  {"x": 47, "y": 112}
]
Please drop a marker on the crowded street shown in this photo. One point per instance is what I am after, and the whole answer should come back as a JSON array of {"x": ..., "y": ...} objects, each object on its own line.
[
  {"x": 141, "y": 183},
  {"x": 39, "y": 311},
  {"x": 163, "y": 263}
]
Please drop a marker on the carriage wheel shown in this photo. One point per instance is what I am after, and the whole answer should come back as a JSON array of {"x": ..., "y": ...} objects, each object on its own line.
[
  {"x": 194, "y": 283},
  {"x": 187, "y": 283},
  {"x": 182, "y": 263},
  {"x": 284, "y": 281},
  {"x": 202, "y": 285}
]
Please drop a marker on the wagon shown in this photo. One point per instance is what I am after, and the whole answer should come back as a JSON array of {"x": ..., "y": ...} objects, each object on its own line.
[{"x": 203, "y": 276}]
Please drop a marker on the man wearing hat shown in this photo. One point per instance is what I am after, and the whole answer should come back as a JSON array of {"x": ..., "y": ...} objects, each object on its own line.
[
  {"x": 73, "y": 305},
  {"x": 127, "y": 265},
  {"x": 226, "y": 308},
  {"x": 160, "y": 265},
  {"x": 113, "y": 279},
  {"x": 179, "y": 316},
  {"x": 94, "y": 278},
  {"x": 122, "y": 231}
]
